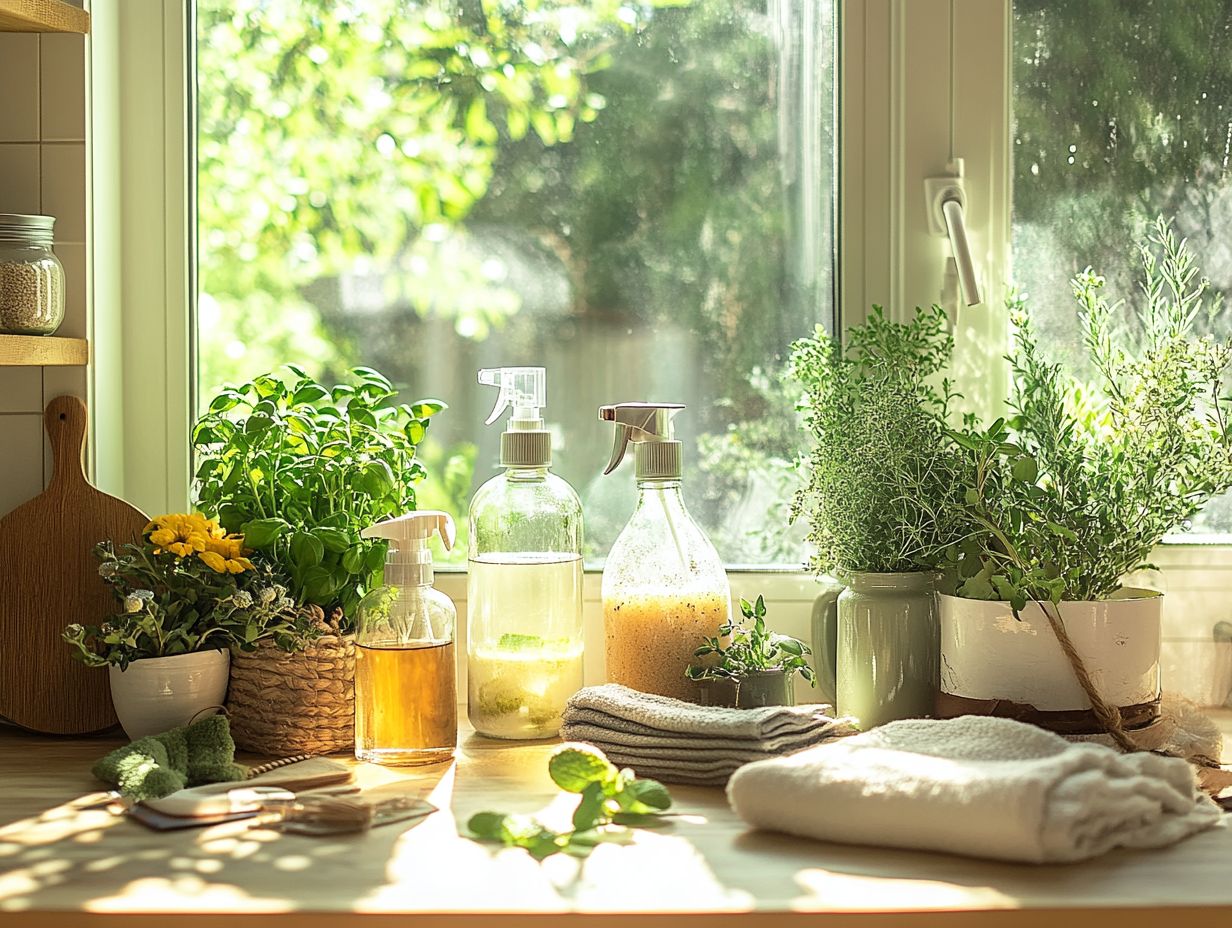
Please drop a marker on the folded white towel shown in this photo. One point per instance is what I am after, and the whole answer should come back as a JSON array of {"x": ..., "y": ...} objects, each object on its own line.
[{"x": 984, "y": 787}]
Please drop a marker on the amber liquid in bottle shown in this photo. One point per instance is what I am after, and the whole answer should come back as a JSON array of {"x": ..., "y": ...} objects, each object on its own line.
[{"x": 407, "y": 702}]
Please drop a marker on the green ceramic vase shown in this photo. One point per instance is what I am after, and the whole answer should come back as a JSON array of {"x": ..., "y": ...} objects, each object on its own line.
[{"x": 887, "y": 648}]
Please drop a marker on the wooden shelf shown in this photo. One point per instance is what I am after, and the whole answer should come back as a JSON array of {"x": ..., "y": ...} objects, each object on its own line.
[
  {"x": 42, "y": 16},
  {"x": 43, "y": 350}
]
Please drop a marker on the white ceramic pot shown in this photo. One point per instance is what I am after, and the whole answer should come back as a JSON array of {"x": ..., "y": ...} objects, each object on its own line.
[
  {"x": 994, "y": 663},
  {"x": 160, "y": 693}
]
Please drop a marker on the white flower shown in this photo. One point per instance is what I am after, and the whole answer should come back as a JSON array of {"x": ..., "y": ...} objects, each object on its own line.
[
  {"x": 137, "y": 599},
  {"x": 268, "y": 595},
  {"x": 107, "y": 570},
  {"x": 242, "y": 599}
]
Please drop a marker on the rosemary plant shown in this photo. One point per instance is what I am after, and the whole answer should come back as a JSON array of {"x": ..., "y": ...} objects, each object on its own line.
[
  {"x": 883, "y": 488},
  {"x": 1076, "y": 488}
]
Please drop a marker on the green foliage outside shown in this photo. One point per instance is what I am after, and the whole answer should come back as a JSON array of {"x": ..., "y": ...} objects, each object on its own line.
[
  {"x": 1120, "y": 115},
  {"x": 371, "y": 175}
]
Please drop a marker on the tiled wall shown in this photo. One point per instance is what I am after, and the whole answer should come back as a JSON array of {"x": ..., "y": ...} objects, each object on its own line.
[{"x": 43, "y": 170}]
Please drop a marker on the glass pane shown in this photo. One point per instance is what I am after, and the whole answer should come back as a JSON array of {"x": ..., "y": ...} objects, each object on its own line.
[
  {"x": 638, "y": 196},
  {"x": 1122, "y": 112}
]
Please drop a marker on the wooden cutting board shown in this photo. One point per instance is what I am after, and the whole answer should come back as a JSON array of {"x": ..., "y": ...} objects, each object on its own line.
[{"x": 49, "y": 579}]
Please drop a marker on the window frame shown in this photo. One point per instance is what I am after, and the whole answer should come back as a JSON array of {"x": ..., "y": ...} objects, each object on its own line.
[{"x": 896, "y": 106}]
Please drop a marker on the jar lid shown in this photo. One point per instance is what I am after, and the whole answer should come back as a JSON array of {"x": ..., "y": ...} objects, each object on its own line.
[{"x": 26, "y": 230}]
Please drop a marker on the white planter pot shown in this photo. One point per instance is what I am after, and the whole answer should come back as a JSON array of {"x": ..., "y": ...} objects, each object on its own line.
[
  {"x": 993, "y": 663},
  {"x": 160, "y": 693}
]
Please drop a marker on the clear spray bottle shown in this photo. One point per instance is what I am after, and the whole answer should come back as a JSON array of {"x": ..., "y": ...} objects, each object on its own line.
[
  {"x": 524, "y": 578},
  {"x": 406, "y": 691},
  {"x": 664, "y": 586}
]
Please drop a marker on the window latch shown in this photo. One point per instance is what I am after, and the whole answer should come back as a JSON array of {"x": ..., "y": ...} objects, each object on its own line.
[{"x": 946, "y": 199}]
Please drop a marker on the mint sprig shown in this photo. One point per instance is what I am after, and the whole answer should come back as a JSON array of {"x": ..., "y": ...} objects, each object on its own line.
[{"x": 612, "y": 800}]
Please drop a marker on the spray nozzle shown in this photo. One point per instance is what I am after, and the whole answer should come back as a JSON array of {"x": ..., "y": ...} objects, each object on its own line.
[
  {"x": 414, "y": 529},
  {"x": 522, "y": 388},
  {"x": 638, "y": 423}
]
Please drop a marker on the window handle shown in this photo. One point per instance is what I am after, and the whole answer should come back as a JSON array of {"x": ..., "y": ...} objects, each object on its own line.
[
  {"x": 956, "y": 228},
  {"x": 947, "y": 201}
]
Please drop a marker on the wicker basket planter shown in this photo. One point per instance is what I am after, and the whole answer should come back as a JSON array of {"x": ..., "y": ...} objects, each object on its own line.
[{"x": 303, "y": 702}]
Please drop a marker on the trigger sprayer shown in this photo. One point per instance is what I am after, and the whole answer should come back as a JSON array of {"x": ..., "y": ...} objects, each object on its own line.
[
  {"x": 648, "y": 426},
  {"x": 523, "y": 390}
]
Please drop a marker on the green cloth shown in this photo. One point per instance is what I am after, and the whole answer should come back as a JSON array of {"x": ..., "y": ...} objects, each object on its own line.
[{"x": 158, "y": 765}]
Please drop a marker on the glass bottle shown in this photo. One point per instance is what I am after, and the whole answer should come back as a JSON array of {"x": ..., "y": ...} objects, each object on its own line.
[
  {"x": 524, "y": 577},
  {"x": 664, "y": 586},
  {"x": 406, "y": 691}
]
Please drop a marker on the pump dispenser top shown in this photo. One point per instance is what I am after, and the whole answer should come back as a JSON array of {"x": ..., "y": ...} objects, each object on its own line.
[
  {"x": 523, "y": 390},
  {"x": 409, "y": 561},
  {"x": 649, "y": 427},
  {"x": 406, "y": 691}
]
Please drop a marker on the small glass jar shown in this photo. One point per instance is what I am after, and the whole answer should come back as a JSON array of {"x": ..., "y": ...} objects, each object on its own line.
[{"x": 31, "y": 276}]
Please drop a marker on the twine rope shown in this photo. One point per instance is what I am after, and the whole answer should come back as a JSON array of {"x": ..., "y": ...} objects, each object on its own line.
[{"x": 1108, "y": 716}]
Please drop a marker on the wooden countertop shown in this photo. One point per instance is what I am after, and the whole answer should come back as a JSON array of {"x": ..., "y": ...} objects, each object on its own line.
[{"x": 64, "y": 865}]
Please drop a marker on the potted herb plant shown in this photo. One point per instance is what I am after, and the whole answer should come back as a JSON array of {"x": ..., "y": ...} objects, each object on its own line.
[
  {"x": 882, "y": 496},
  {"x": 1071, "y": 494},
  {"x": 747, "y": 665},
  {"x": 189, "y": 593},
  {"x": 301, "y": 469}
]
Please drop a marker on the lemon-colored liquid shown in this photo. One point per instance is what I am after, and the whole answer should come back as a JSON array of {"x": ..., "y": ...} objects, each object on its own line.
[
  {"x": 521, "y": 694},
  {"x": 524, "y": 642},
  {"x": 406, "y": 704},
  {"x": 651, "y": 638}
]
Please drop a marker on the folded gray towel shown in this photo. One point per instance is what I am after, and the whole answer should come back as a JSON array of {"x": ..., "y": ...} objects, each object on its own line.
[
  {"x": 755, "y": 748},
  {"x": 680, "y": 742},
  {"x": 676, "y": 776},
  {"x": 638, "y": 713}
]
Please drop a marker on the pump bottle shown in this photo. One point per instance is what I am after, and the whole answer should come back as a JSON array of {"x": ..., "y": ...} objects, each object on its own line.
[
  {"x": 524, "y": 579},
  {"x": 406, "y": 692},
  {"x": 664, "y": 587}
]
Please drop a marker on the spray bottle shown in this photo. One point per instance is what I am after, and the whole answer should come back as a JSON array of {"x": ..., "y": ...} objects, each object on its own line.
[
  {"x": 664, "y": 587},
  {"x": 524, "y": 579},
  {"x": 406, "y": 691}
]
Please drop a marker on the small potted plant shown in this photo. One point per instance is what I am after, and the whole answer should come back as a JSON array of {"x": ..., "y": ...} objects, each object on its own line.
[
  {"x": 882, "y": 496},
  {"x": 1071, "y": 494},
  {"x": 301, "y": 468},
  {"x": 189, "y": 593},
  {"x": 747, "y": 666}
]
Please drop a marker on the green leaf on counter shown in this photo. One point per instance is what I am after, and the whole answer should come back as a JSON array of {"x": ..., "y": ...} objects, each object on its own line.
[{"x": 574, "y": 768}]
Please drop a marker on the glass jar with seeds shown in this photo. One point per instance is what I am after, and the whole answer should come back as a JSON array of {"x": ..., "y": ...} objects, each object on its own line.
[{"x": 31, "y": 276}]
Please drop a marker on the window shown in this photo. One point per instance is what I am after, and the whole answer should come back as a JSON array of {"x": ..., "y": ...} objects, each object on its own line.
[
  {"x": 1118, "y": 121},
  {"x": 638, "y": 196}
]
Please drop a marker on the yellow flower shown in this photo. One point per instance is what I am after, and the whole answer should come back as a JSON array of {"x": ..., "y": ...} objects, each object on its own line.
[
  {"x": 225, "y": 554},
  {"x": 182, "y": 533}
]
